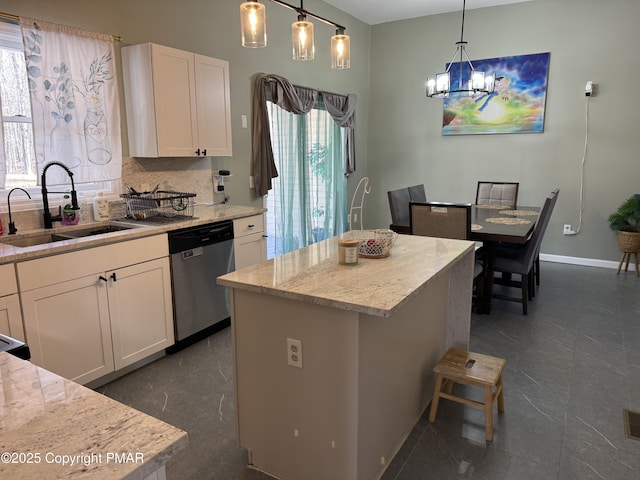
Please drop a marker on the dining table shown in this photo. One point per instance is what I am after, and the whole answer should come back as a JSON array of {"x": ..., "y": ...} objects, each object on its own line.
[{"x": 497, "y": 224}]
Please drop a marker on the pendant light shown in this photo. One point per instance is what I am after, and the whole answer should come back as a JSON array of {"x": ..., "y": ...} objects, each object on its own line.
[
  {"x": 478, "y": 82},
  {"x": 340, "y": 50},
  {"x": 302, "y": 39},
  {"x": 254, "y": 35},
  {"x": 253, "y": 25}
]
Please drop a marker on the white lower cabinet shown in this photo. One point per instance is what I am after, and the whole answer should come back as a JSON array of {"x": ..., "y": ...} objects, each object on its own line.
[
  {"x": 10, "y": 313},
  {"x": 67, "y": 327},
  {"x": 140, "y": 311},
  {"x": 84, "y": 320},
  {"x": 250, "y": 242}
]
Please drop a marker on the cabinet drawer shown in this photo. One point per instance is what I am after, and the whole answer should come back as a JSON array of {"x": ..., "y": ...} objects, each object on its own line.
[
  {"x": 7, "y": 280},
  {"x": 248, "y": 225},
  {"x": 68, "y": 266}
]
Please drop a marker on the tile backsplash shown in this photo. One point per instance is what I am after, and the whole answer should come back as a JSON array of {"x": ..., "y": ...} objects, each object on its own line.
[{"x": 178, "y": 174}]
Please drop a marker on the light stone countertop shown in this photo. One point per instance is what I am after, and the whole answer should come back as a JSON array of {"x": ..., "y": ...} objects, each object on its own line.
[
  {"x": 375, "y": 286},
  {"x": 203, "y": 214},
  {"x": 45, "y": 417}
]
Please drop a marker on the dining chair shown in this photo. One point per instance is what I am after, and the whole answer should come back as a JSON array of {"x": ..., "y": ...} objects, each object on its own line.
[
  {"x": 521, "y": 261},
  {"x": 437, "y": 219},
  {"x": 399, "y": 205},
  {"x": 448, "y": 220},
  {"x": 536, "y": 266},
  {"x": 507, "y": 250},
  {"x": 497, "y": 193}
]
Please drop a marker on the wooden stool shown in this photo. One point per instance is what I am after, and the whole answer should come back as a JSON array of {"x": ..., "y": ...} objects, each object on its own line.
[{"x": 460, "y": 366}]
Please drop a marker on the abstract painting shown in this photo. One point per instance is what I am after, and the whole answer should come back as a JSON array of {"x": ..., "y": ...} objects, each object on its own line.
[{"x": 515, "y": 106}]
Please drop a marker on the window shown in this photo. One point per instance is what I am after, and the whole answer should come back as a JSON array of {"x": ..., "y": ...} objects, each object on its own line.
[
  {"x": 20, "y": 159},
  {"x": 19, "y": 149},
  {"x": 308, "y": 200}
]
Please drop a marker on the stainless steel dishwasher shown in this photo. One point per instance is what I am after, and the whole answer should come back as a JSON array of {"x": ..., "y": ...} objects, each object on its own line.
[{"x": 199, "y": 255}]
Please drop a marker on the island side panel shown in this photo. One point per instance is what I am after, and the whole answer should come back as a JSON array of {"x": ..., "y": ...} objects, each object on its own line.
[
  {"x": 296, "y": 422},
  {"x": 397, "y": 356},
  {"x": 460, "y": 295}
]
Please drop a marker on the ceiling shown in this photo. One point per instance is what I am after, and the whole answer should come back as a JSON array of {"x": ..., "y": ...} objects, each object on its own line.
[{"x": 373, "y": 12}]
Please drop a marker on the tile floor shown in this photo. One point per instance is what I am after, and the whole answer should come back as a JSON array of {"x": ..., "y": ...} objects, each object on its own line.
[{"x": 573, "y": 365}]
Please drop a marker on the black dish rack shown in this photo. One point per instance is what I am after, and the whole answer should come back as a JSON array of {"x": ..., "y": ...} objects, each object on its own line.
[{"x": 162, "y": 203}]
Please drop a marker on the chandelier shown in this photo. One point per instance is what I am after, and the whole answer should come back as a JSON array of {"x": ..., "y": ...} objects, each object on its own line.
[
  {"x": 254, "y": 33},
  {"x": 477, "y": 82}
]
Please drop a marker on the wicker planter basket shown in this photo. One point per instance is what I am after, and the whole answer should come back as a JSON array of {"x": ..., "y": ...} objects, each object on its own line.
[
  {"x": 629, "y": 242},
  {"x": 373, "y": 243}
]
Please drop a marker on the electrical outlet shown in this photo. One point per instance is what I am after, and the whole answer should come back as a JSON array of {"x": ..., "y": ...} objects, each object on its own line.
[
  {"x": 567, "y": 229},
  {"x": 294, "y": 352},
  {"x": 589, "y": 89},
  {"x": 252, "y": 181}
]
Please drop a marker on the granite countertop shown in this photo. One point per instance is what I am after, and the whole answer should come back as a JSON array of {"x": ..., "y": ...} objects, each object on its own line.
[
  {"x": 203, "y": 214},
  {"x": 47, "y": 420},
  {"x": 376, "y": 286}
]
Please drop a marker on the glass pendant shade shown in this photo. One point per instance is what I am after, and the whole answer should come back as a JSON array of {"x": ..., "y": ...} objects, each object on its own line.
[
  {"x": 302, "y": 39},
  {"x": 490, "y": 82},
  {"x": 477, "y": 80},
  {"x": 253, "y": 25},
  {"x": 340, "y": 51},
  {"x": 439, "y": 86}
]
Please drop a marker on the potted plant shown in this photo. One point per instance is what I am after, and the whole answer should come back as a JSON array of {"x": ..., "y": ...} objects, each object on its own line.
[{"x": 626, "y": 221}]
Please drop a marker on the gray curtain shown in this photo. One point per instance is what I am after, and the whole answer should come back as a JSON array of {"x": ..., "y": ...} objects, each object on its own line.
[
  {"x": 298, "y": 100},
  {"x": 343, "y": 111}
]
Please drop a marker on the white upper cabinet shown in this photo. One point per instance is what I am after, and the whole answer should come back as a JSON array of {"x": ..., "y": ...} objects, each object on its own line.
[{"x": 177, "y": 102}]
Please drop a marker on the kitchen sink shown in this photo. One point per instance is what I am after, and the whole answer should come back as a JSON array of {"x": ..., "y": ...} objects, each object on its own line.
[
  {"x": 28, "y": 240},
  {"x": 89, "y": 232},
  {"x": 32, "y": 241}
]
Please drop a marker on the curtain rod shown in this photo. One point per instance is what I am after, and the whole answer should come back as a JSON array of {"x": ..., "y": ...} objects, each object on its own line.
[
  {"x": 269, "y": 80},
  {"x": 16, "y": 19}
]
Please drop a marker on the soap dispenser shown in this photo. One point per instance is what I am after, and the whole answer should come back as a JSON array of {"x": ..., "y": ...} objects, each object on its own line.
[{"x": 69, "y": 215}]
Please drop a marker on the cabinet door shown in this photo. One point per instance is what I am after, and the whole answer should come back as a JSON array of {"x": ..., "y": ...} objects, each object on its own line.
[
  {"x": 249, "y": 250},
  {"x": 175, "y": 100},
  {"x": 141, "y": 311},
  {"x": 213, "y": 106},
  {"x": 67, "y": 328},
  {"x": 11, "y": 317}
]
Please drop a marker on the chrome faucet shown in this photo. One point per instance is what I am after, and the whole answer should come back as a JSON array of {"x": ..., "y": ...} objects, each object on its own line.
[
  {"x": 48, "y": 218},
  {"x": 12, "y": 226}
]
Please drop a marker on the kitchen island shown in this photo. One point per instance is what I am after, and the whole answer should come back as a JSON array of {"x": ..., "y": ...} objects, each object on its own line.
[
  {"x": 363, "y": 340},
  {"x": 54, "y": 428}
]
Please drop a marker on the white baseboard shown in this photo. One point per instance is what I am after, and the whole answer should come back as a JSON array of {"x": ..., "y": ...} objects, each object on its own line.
[{"x": 589, "y": 262}]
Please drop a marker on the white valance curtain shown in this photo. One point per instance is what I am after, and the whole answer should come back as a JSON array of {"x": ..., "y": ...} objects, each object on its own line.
[
  {"x": 74, "y": 101},
  {"x": 297, "y": 100}
]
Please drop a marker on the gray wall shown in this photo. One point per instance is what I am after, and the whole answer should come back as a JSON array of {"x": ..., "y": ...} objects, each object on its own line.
[
  {"x": 212, "y": 27},
  {"x": 588, "y": 40},
  {"x": 398, "y": 132}
]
